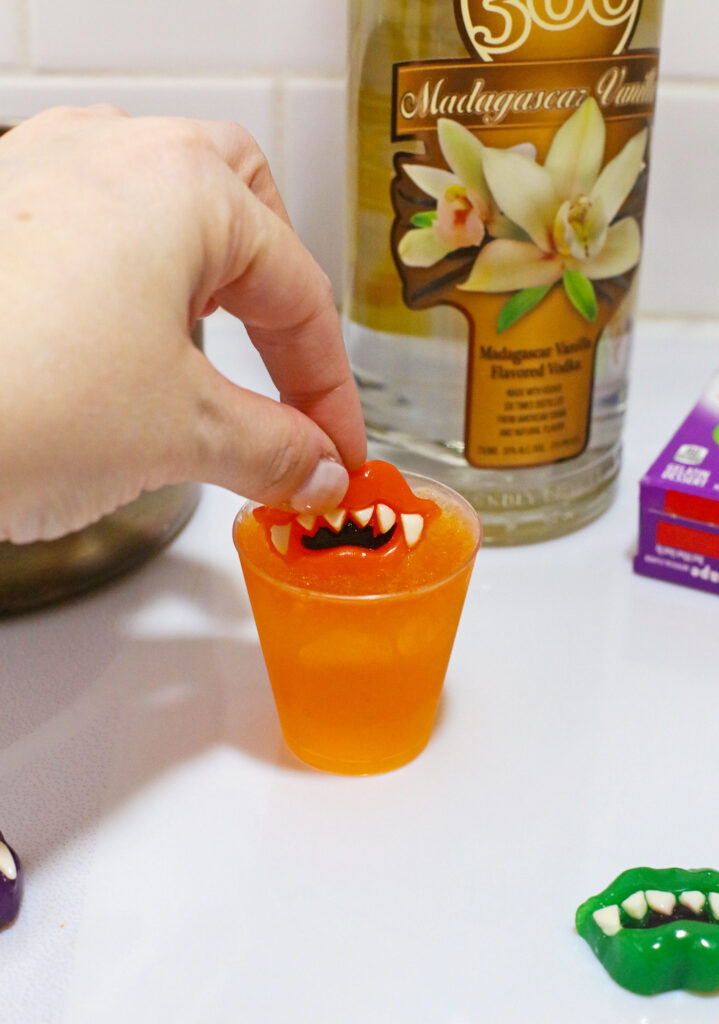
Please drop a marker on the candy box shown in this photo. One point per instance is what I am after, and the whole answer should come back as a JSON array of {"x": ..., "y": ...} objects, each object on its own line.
[{"x": 679, "y": 503}]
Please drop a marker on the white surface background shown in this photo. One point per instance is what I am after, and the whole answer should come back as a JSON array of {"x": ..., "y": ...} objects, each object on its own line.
[
  {"x": 183, "y": 867},
  {"x": 278, "y": 66}
]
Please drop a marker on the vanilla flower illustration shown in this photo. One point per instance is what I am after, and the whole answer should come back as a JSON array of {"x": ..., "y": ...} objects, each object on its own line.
[
  {"x": 465, "y": 209},
  {"x": 567, "y": 209}
]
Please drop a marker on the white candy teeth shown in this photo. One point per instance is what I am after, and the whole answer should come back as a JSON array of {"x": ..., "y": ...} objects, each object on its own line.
[
  {"x": 336, "y": 518},
  {"x": 608, "y": 919},
  {"x": 7, "y": 863},
  {"x": 412, "y": 524},
  {"x": 694, "y": 899},
  {"x": 635, "y": 905},
  {"x": 386, "y": 518},
  {"x": 662, "y": 902},
  {"x": 362, "y": 515},
  {"x": 714, "y": 903},
  {"x": 307, "y": 522},
  {"x": 280, "y": 537}
]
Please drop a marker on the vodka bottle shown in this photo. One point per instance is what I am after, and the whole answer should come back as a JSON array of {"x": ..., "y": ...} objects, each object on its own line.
[{"x": 498, "y": 163}]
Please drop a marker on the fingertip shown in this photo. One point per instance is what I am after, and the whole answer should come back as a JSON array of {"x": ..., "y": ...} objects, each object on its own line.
[
  {"x": 256, "y": 446},
  {"x": 323, "y": 489}
]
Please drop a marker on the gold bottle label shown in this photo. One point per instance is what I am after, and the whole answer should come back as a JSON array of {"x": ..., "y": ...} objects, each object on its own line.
[
  {"x": 545, "y": 29},
  {"x": 525, "y": 210}
]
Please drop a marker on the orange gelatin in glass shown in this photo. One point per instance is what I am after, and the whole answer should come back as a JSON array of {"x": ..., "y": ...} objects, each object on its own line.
[{"x": 357, "y": 641}]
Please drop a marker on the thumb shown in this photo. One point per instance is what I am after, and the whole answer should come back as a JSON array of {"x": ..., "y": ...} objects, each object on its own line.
[{"x": 261, "y": 449}]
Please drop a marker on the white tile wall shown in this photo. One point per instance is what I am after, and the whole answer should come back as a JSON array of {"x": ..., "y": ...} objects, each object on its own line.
[
  {"x": 278, "y": 67},
  {"x": 211, "y": 36},
  {"x": 314, "y": 160},
  {"x": 11, "y": 38},
  {"x": 680, "y": 251},
  {"x": 690, "y": 39}
]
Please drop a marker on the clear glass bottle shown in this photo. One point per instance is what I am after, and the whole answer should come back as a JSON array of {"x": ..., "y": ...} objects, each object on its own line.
[{"x": 415, "y": 338}]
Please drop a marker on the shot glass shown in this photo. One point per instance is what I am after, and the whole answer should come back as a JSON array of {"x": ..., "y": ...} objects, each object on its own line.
[{"x": 357, "y": 677}]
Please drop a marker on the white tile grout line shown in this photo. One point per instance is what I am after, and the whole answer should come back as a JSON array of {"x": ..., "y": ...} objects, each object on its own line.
[
  {"x": 216, "y": 73},
  {"x": 12, "y": 73},
  {"x": 230, "y": 74},
  {"x": 690, "y": 318},
  {"x": 687, "y": 84},
  {"x": 279, "y": 135}
]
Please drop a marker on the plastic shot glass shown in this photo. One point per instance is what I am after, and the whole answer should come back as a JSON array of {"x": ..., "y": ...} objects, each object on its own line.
[{"x": 357, "y": 674}]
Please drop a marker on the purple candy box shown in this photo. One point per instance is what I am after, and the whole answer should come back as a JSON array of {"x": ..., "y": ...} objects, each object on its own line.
[{"x": 679, "y": 503}]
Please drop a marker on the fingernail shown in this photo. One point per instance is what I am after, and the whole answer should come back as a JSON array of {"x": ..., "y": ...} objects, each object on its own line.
[{"x": 323, "y": 489}]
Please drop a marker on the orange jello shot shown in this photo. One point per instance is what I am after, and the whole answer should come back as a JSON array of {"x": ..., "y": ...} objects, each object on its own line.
[{"x": 357, "y": 612}]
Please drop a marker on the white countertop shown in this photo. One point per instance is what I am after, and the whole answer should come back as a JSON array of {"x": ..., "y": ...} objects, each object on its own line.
[{"x": 182, "y": 866}]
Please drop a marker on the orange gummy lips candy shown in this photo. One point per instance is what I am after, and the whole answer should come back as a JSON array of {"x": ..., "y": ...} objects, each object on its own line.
[{"x": 379, "y": 517}]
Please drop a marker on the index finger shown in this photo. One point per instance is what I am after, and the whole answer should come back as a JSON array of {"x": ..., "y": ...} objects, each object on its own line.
[
  {"x": 243, "y": 154},
  {"x": 285, "y": 301}
]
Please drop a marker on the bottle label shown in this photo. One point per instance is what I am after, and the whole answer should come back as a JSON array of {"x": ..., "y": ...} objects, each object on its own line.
[
  {"x": 545, "y": 29},
  {"x": 525, "y": 209}
]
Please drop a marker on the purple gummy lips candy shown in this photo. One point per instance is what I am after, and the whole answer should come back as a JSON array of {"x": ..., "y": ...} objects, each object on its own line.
[{"x": 11, "y": 883}]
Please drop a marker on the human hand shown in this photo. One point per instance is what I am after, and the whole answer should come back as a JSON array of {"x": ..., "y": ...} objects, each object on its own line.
[{"x": 118, "y": 235}]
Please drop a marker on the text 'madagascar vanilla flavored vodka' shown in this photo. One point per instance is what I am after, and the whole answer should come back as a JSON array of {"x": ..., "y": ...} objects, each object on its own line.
[{"x": 498, "y": 167}]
